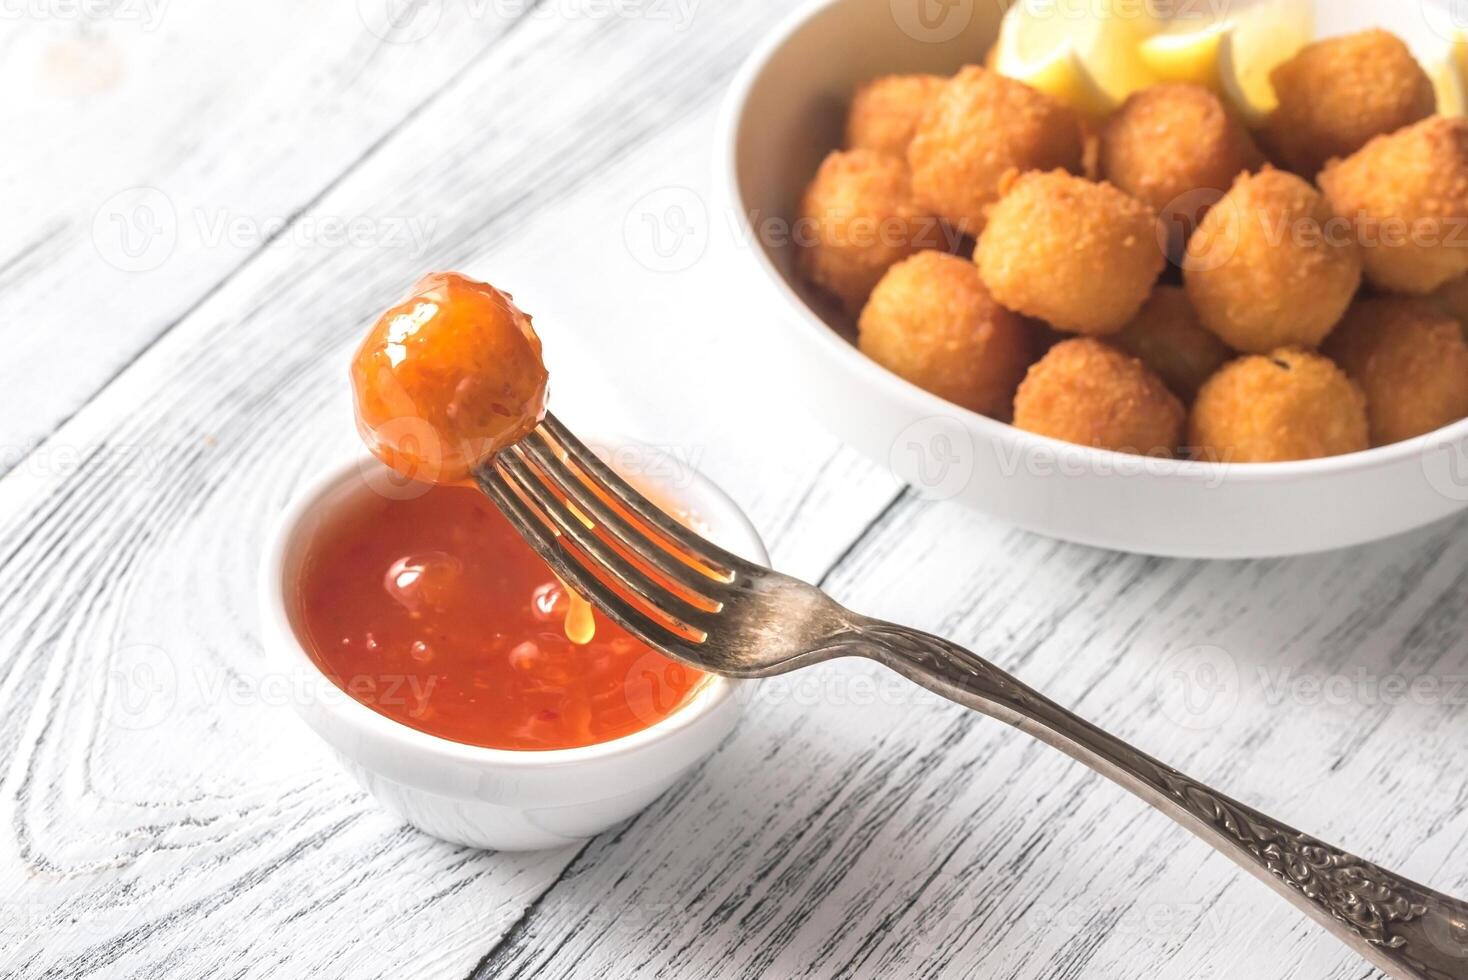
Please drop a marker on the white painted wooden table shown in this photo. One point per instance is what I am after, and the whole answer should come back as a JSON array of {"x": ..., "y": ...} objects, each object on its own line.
[{"x": 203, "y": 204}]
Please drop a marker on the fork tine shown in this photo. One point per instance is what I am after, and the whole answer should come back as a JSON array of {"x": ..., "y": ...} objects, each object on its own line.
[
  {"x": 625, "y": 494},
  {"x": 564, "y": 479},
  {"x": 553, "y": 549},
  {"x": 657, "y": 595}
]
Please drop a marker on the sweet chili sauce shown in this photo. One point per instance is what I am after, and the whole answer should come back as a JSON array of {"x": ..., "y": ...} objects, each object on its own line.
[{"x": 433, "y": 612}]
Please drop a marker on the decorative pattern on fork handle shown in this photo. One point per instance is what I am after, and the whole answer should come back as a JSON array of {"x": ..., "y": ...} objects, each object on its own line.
[{"x": 1406, "y": 929}]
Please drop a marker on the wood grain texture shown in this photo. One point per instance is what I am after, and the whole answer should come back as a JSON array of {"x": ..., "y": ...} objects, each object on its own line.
[
  {"x": 856, "y": 826},
  {"x": 175, "y": 144},
  {"x": 163, "y": 814}
]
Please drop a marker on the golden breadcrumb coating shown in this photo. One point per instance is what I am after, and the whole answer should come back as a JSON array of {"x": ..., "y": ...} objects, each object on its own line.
[
  {"x": 1168, "y": 338},
  {"x": 1081, "y": 256},
  {"x": 1407, "y": 195},
  {"x": 1271, "y": 265},
  {"x": 931, "y": 321},
  {"x": 1338, "y": 94},
  {"x": 1176, "y": 148},
  {"x": 857, "y": 219},
  {"x": 1409, "y": 359},
  {"x": 1087, "y": 392},
  {"x": 979, "y": 128},
  {"x": 1286, "y": 405},
  {"x": 886, "y": 111}
]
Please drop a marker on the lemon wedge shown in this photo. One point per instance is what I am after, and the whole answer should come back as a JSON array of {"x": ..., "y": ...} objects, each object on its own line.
[
  {"x": 1447, "y": 66},
  {"x": 1255, "y": 42},
  {"x": 1452, "y": 100},
  {"x": 1185, "y": 55},
  {"x": 1084, "y": 52},
  {"x": 1061, "y": 74}
]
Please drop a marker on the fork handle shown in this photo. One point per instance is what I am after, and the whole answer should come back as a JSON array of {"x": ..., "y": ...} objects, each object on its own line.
[{"x": 1398, "y": 925}]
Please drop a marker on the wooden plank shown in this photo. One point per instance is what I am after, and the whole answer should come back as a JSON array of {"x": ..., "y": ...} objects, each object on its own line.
[
  {"x": 203, "y": 832},
  {"x": 851, "y": 826},
  {"x": 858, "y": 827},
  {"x": 169, "y": 145}
]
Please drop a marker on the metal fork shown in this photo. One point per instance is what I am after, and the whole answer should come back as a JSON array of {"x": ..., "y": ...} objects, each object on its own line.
[{"x": 708, "y": 608}]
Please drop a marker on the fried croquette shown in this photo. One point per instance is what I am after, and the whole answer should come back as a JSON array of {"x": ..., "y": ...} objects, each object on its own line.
[
  {"x": 857, "y": 219},
  {"x": 1081, "y": 256},
  {"x": 1087, "y": 392},
  {"x": 1338, "y": 94},
  {"x": 931, "y": 321},
  {"x": 1409, "y": 359},
  {"x": 1176, "y": 148},
  {"x": 1407, "y": 196},
  {"x": 886, "y": 111},
  {"x": 1271, "y": 265},
  {"x": 1452, "y": 299},
  {"x": 1167, "y": 337},
  {"x": 1286, "y": 405},
  {"x": 980, "y": 127}
]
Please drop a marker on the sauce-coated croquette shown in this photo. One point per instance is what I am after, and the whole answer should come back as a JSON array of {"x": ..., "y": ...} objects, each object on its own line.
[
  {"x": 931, "y": 321},
  {"x": 1169, "y": 146},
  {"x": 1087, "y": 392},
  {"x": 1286, "y": 405},
  {"x": 1081, "y": 256},
  {"x": 979, "y": 128},
  {"x": 1271, "y": 265},
  {"x": 1409, "y": 359},
  {"x": 447, "y": 378},
  {"x": 1168, "y": 338},
  {"x": 1338, "y": 94},
  {"x": 1407, "y": 195},
  {"x": 857, "y": 219},
  {"x": 885, "y": 112}
]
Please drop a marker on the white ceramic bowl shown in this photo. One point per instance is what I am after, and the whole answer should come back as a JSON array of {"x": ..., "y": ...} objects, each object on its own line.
[
  {"x": 785, "y": 112},
  {"x": 490, "y": 798}
]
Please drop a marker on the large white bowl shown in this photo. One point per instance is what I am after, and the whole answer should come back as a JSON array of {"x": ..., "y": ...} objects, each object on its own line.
[
  {"x": 785, "y": 112},
  {"x": 490, "y": 798}
]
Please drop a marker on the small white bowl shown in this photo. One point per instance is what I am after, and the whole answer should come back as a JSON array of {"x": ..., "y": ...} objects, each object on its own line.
[
  {"x": 491, "y": 798},
  {"x": 785, "y": 111}
]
